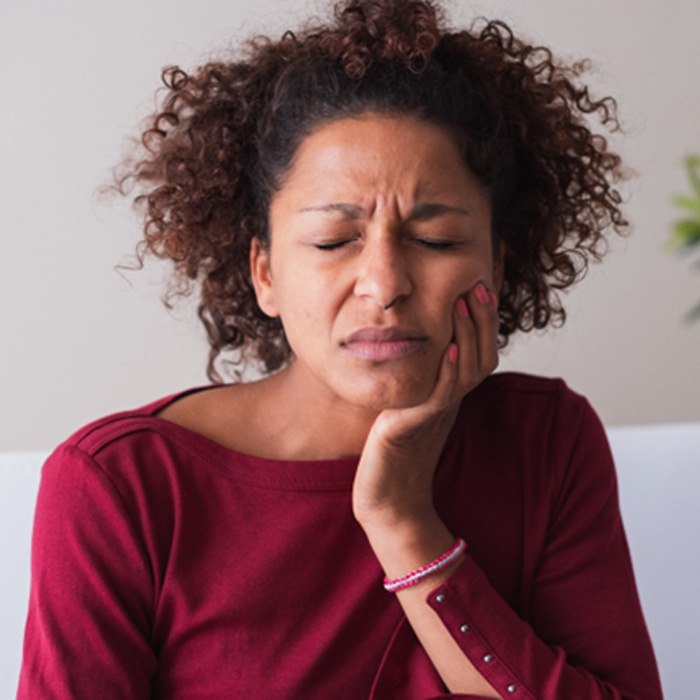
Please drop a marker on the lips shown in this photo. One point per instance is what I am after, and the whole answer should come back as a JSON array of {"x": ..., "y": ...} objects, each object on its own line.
[{"x": 378, "y": 344}]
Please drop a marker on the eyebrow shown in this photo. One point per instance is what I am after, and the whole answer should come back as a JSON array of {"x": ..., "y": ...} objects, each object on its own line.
[
  {"x": 421, "y": 212},
  {"x": 351, "y": 211}
]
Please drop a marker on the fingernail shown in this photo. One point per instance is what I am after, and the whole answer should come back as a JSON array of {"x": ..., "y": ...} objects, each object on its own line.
[
  {"x": 482, "y": 294},
  {"x": 494, "y": 299},
  {"x": 453, "y": 354},
  {"x": 462, "y": 309}
]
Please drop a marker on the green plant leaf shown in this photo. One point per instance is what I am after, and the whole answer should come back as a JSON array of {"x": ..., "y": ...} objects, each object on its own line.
[
  {"x": 691, "y": 204},
  {"x": 685, "y": 235}
]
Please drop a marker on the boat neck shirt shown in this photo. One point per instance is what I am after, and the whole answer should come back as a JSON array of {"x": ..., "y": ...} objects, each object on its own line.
[{"x": 165, "y": 565}]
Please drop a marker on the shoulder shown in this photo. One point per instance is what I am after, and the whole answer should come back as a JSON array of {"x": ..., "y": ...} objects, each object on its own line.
[
  {"x": 520, "y": 382},
  {"x": 535, "y": 417},
  {"x": 131, "y": 458},
  {"x": 514, "y": 392},
  {"x": 98, "y": 434},
  {"x": 534, "y": 440}
]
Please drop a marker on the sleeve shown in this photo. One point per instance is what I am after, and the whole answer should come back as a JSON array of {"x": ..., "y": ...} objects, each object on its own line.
[
  {"x": 92, "y": 589},
  {"x": 585, "y": 638}
]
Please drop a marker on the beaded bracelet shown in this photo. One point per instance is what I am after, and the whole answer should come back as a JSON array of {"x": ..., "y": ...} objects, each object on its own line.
[{"x": 413, "y": 577}]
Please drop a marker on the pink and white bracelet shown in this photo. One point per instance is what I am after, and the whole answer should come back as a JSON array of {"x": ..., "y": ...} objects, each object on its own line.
[{"x": 413, "y": 577}]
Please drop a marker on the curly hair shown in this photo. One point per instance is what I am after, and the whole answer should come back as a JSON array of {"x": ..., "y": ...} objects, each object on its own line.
[{"x": 225, "y": 135}]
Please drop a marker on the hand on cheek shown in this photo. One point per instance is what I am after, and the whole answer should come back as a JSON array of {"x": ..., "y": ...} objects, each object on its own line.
[
  {"x": 394, "y": 477},
  {"x": 472, "y": 354}
]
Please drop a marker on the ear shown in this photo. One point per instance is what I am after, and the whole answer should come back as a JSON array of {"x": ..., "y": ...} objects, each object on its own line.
[
  {"x": 261, "y": 276},
  {"x": 499, "y": 255}
]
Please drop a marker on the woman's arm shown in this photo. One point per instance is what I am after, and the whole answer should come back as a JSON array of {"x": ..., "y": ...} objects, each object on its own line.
[
  {"x": 91, "y": 593},
  {"x": 393, "y": 492},
  {"x": 584, "y": 601},
  {"x": 395, "y": 552}
]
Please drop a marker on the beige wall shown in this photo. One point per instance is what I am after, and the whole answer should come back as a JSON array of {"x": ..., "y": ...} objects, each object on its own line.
[{"x": 77, "y": 340}]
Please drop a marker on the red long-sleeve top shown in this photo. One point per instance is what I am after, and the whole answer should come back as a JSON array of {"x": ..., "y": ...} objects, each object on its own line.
[{"x": 167, "y": 566}]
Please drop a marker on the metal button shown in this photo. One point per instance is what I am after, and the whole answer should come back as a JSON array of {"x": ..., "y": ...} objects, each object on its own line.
[
  {"x": 440, "y": 597},
  {"x": 488, "y": 658},
  {"x": 464, "y": 629},
  {"x": 511, "y": 688}
]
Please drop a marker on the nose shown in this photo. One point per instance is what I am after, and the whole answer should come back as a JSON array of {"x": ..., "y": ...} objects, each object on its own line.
[{"x": 383, "y": 274}]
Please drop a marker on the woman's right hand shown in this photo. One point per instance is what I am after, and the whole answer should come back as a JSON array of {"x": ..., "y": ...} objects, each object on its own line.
[{"x": 395, "y": 474}]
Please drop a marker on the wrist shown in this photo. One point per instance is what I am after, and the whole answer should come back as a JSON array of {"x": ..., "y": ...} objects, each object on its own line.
[
  {"x": 404, "y": 545},
  {"x": 402, "y": 520},
  {"x": 438, "y": 566},
  {"x": 416, "y": 532}
]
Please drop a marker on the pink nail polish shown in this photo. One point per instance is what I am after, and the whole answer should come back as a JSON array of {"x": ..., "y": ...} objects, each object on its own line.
[
  {"x": 481, "y": 294},
  {"x": 462, "y": 309},
  {"x": 453, "y": 354}
]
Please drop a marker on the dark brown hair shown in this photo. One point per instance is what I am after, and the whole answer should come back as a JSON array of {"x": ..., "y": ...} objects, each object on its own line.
[{"x": 225, "y": 134}]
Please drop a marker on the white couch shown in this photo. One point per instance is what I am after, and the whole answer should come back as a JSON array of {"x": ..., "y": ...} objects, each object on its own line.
[{"x": 659, "y": 474}]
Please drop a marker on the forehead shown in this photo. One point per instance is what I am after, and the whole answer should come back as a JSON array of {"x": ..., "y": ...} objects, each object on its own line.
[{"x": 380, "y": 155}]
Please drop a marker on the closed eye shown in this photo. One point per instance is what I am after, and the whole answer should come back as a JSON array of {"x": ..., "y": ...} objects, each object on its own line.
[
  {"x": 436, "y": 244},
  {"x": 430, "y": 243},
  {"x": 332, "y": 245}
]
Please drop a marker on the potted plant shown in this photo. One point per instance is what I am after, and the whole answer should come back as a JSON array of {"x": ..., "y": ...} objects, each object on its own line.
[{"x": 685, "y": 235}]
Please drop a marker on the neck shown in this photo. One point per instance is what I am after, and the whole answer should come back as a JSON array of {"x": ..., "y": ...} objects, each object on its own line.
[{"x": 310, "y": 421}]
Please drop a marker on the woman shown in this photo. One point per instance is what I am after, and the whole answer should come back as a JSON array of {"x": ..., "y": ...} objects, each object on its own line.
[{"x": 370, "y": 208}]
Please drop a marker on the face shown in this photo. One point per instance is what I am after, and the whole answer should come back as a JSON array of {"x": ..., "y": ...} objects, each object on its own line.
[{"x": 378, "y": 229}]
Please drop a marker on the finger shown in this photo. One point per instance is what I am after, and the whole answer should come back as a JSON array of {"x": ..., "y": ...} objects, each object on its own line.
[
  {"x": 448, "y": 376},
  {"x": 483, "y": 307},
  {"x": 465, "y": 337}
]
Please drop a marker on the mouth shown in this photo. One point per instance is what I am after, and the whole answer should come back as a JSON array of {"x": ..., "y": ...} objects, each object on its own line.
[{"x": 379, "y": 344}]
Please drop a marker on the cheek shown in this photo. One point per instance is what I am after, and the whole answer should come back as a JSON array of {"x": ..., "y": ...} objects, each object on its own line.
[
  {"x": 306, "y": 307},
  {"x": 448, "y": 286},
  {"x": 472, "y": 270}
]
